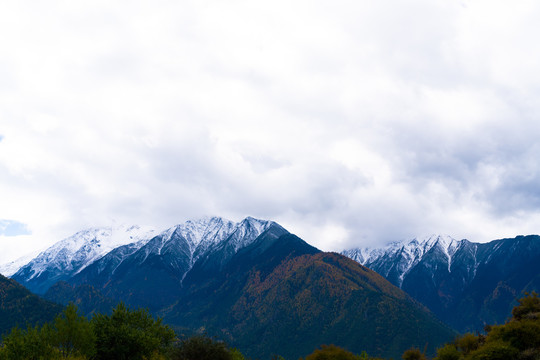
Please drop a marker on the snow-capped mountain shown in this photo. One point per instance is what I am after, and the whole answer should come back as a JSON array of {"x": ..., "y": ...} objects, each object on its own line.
[
  {"x": 397, "y": 259},
  {"x": 152, "y": 269},
  {"x": 254, "y": 285},
  {"x": 101, "y": 254},
  {"x": 478, "y": 281},
  {"x": 10, "y": 268},
  {"x": 73, "y": 254},
  {"x": 203, "y": 233}
]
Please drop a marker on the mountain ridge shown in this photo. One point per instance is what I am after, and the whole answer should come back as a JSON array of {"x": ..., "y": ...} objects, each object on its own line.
[
  {"x": 480, "y": 281},
  {"x": 465, "y": 284},
  {"x": 253, "y": 284},
  {"x": 281, "y": 293},
  {"x": 71, "y": 256}
]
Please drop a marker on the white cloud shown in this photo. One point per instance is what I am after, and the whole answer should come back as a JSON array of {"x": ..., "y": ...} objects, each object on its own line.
[{"x": 375, "y": 121}]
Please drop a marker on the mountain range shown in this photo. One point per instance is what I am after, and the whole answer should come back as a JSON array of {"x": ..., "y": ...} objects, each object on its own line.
[
  {"x": 467, "y": 285},
  {"x": 251, "y": 283},
  {"x": 265, "y": 290}
]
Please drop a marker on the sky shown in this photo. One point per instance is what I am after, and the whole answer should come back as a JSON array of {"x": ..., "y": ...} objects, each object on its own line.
[{"x": 350, "y": 123}]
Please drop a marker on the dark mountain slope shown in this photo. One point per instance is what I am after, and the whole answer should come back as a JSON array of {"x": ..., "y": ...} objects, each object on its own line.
[
  {"x": 88, "y": 300},
  {"x": 19, "y": 307},
  {"x": 467, "y": 285},
  {"x": 151, "y": 274},
  {"x": 211, "y": 289},
  {"x": 284, "y": 295},
  {"x": 507, "y": 268},
  {"x": 149, "y": 277}
]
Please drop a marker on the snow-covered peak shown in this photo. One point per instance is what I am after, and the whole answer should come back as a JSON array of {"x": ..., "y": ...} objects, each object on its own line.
[
  {"x": 402, "y": 256},
  {"x": 194, "y": 238},
  {"x": 445, "y": 243},
  {"x": 208, "y": 233},
  {"x": 255, "y": 225},
  {"x": 207, "y": 229},
  {"x": 422, "y": 245},
  {"x": 74, "y": 253},
  {"x": 12, "y": 267},
  {"x": 362, "y": 255},
  {"x": 246, "y": 231}
]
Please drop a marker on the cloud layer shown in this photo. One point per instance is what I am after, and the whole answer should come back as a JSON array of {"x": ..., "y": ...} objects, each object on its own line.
[{"x": 351, "y": 123}]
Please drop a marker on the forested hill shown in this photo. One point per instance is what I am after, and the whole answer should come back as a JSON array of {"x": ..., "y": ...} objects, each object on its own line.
[{"x": 18, "y": 306}]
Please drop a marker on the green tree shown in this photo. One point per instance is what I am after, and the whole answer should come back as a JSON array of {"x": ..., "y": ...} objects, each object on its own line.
[
  {"x": 237, "y": 355},
  {"x": 468, "y": 343},
  {"x": 529, "y": 307},
  {"x": 519, "y": 338},
  {"x": 331, "y": 352},
  {"x": 73, "y": 334},
  {"x": 494, "y": 350},
  {"x": 413, "y": 354},
  {"x": 130, "y": 334},
  {"x": 522, "y": 335},
  {"x": 26, "y": 344},
  {"x": 202, "y": 347},
  {"x": 448, "y": 352}
]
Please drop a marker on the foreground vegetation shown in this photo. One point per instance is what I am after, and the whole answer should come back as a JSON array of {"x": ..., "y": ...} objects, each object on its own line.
[
  {"x": 135, "y": 334},
  {"x": 519, "y": 338},
  {"x": 124, "y": 335}
]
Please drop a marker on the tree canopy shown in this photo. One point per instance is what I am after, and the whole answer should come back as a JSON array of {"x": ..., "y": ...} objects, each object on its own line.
[{"x": 518, "y": 338}]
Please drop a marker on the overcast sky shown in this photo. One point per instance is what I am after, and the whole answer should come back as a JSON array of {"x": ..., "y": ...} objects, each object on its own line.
[{"x": 351, "y": 123}]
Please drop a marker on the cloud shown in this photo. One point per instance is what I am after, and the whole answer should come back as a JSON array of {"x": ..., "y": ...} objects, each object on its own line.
[{"x": 371, "y": 121}]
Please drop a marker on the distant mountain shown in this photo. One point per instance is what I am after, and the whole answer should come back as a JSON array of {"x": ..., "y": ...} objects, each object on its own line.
[
  {"x": 467, "y": 285},
  {"x": 19, "y": 307}
]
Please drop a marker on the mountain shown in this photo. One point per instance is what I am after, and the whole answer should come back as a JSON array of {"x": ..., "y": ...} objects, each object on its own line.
[
  {"x": 19, "y": 307},
  {"x": 466, "y": 284},
  {"x": 152, "y": 275},
  {"x": 280, "y": 294},
  {"x": 251, "y": 283},
  {"x": 8, "y": 269},
  {"x": 69, "y": 256}
]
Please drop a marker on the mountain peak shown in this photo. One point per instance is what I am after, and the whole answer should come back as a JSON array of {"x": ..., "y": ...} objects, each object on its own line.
[
  {"x": 84, "y": 247},
  {"x": 479, "y": 280},
  {"x": 404, "y": 255},
  {"x": 193, "y": 238},
  {"x": 248, "y": 230},
  {"x": 447, "y": 244},
  {"x": 205, "y": 228}
]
